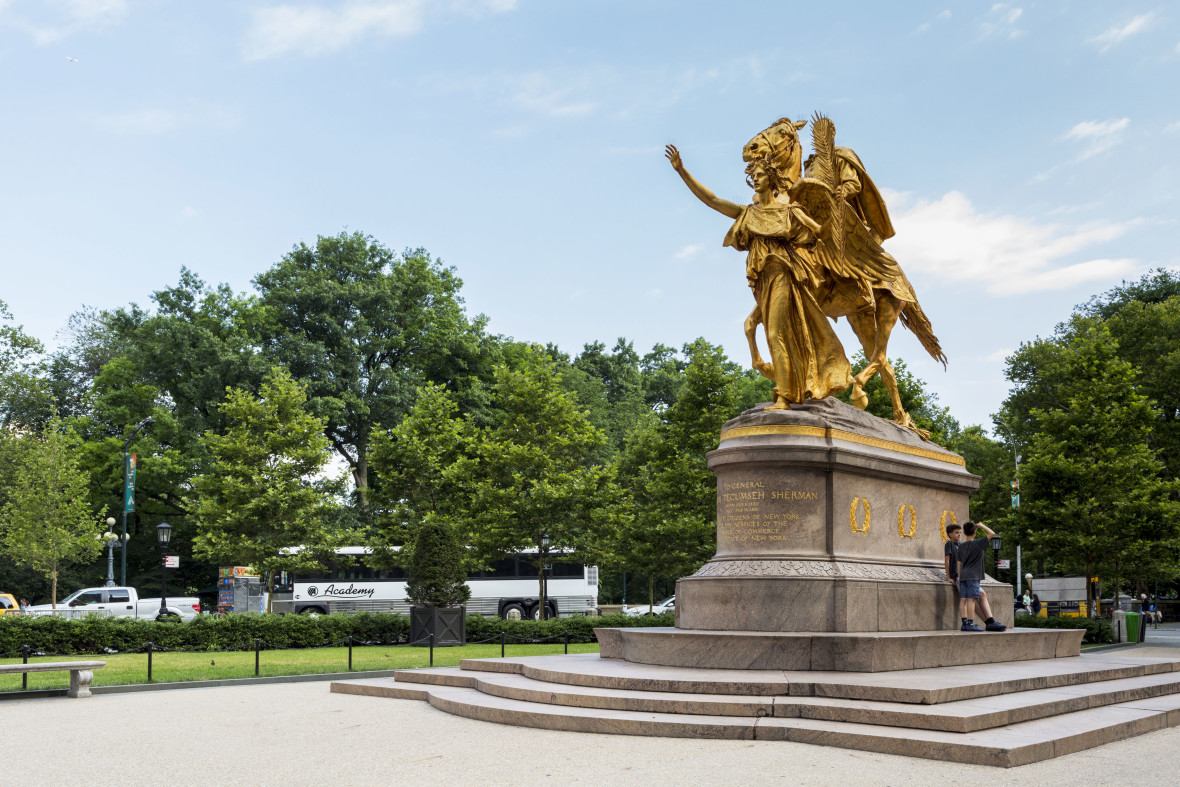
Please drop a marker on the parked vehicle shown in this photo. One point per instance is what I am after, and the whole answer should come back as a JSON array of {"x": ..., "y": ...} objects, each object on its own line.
[
  {"x": 121, "y": 602},
  {"x": 667, "y": 605},
  {"x": 9, "y": 605}
]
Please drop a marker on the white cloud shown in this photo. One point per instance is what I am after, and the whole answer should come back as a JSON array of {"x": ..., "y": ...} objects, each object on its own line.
[
  {"x": 1172, "y": 128},
  {"x": 999, "y": 355},
  {"x": 950, "y": 240},
  {"x": 313, "y": 30},
  {"x": 53, "y": 20},
  {"x": 1001, "y": 21},
  {"x": 1098, "y": 136},
  {"x": 1116, "y": 35},
  {"x": 687, "y": 251}
]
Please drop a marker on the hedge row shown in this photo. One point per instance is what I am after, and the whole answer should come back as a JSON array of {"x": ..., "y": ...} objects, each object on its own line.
[
  {"x": 1098, "y": 630},
  {"x": 95, "y": 634}
]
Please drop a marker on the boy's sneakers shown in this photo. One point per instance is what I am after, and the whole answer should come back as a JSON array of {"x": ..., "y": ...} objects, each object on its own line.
[
  {"x": 994, "y": 625},
  {"x": 970, "y": 626}
]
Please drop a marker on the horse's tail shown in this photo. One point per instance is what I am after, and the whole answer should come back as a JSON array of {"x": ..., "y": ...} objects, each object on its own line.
[{"x": 915, "y": 319}]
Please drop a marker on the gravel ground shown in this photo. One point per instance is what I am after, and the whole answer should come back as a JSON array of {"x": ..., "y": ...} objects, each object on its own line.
[{"x": 300, "y": 733}]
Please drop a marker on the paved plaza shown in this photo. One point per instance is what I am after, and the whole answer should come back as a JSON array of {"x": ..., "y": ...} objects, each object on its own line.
[{"x": 300, "y": 733}]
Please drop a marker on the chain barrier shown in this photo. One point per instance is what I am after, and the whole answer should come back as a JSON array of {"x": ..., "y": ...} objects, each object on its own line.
[{"x": 257, "y": 644}]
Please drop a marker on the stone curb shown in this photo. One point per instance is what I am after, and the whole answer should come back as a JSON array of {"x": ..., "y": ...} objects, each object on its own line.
[{"x": 198, "y": 684}]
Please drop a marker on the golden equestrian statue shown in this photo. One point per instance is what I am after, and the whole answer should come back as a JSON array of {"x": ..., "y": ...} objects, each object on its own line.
[{"x": 812, "y": 237}]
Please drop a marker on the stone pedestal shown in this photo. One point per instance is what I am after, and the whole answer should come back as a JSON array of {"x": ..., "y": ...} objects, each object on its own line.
[{"x": 830, "y": 520}]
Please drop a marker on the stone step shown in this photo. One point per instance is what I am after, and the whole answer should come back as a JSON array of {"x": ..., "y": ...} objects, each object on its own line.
[
  {"x": 960, "y": 716},
  {"x": 963, "y": 716},
  {"x": 932, "y": 686},
  {"x": 1012, "y": 745}
]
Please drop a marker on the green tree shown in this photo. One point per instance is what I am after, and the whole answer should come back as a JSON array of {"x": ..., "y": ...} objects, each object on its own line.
[
  {"x": 438, "y": 574},
  {"x": 47, "y": 521},
  {"x": 259, "y": 496},
  {"x": 364, "y": 328},
  {"x": 24, "y": 399},
  {"x": 529, "y": 480},
  {"x": 669, "y": 525},
  {"x": 424, "y": 463},
  {"x": 1095, "y": 497}
]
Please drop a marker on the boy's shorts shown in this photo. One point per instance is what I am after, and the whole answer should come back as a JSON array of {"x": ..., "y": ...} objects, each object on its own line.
[{"x": 969, "y": 588}]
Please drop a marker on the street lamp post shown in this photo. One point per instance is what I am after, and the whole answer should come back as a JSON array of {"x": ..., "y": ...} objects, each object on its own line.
[
  {"x": 113, "y": 540},
  {"x": 163, "y": 535},
  {"x": 995, "y": 542},
  {"x": 126, "y": 473},
  {"x": 544, "y": 576}
]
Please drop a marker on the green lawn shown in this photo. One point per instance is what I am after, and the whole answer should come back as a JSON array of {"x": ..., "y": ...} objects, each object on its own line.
[{"x": 128, "y": 668}]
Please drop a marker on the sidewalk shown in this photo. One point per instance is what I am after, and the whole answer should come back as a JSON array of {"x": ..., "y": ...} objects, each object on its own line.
[{"x": 300, "y": 733}]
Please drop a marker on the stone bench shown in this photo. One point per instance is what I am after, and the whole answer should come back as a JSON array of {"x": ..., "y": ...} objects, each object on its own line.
[{"x": 81, "y": 672}]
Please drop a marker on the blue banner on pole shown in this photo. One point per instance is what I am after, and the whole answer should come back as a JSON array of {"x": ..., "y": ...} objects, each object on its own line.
[{"x": 129, "y": 500}]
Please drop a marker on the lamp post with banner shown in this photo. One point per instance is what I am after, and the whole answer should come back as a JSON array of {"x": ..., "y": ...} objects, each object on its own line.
[{"x": 129, "y": 463}]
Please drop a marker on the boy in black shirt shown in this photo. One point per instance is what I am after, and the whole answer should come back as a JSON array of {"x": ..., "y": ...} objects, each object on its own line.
[
  {"x": 950, "y": 563},
  {"x": 971, "y": 553}
]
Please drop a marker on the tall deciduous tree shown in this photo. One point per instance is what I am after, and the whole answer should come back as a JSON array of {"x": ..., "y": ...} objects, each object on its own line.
[
  {"x": 259, "y": 496},
  {"x": 364, "y": 328},
  {"x": 1096, "y": 498},
  {"x": 47, "y": 522},
  {"x": 668, "y": 528},
  {"x": 530, "y": 479}
]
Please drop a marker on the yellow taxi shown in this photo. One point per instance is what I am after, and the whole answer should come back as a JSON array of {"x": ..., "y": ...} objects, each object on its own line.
[{"x": 8, "y": 605}]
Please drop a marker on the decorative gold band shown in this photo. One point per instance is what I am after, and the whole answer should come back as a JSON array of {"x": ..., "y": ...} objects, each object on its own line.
[{"x": 840, "y": 434}]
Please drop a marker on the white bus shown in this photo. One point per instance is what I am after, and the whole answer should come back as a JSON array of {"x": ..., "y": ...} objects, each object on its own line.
[{"x": 508, "y": 588}]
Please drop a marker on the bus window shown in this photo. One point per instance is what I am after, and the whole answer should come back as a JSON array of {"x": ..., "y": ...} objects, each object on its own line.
[
  {"x": 567, "y": 570},
  {"x": 502, "y": 569}
]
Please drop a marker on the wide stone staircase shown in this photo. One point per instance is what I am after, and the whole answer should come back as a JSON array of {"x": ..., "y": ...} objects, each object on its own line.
[{"x": 992, "y": 714}]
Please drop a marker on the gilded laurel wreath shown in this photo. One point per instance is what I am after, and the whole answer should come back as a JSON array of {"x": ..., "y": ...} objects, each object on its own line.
[
  {"x": 942, "y": 523},
  {"x": 901, "y": 522},
  {"x": 868, "y": 515}
]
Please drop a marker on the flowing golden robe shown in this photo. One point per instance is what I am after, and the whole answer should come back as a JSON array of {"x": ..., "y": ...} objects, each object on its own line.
[{"x": 808, "y": 359}]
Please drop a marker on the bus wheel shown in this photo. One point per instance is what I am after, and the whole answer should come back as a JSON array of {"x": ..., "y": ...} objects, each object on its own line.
[
  {"x": 513, "y": 612},
  {"x": 313, "y": 612}
]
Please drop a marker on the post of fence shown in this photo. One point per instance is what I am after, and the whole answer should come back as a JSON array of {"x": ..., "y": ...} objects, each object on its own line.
[
  {"x": 350, "y": 653},
  {"x": 565, "y": 636},
  {"x": 503, "y": 638},
  {"x": 432, "y": 648},
  {"x": 24, "y": 678},
  {"x": 150, "y": 647},
  {"x": 257, "y": 643}
]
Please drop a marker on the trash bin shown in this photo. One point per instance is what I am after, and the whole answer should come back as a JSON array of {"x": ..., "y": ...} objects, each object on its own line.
[
  {"x": 1118, "y": 622},
  {"x": 1134, "y": 629}
]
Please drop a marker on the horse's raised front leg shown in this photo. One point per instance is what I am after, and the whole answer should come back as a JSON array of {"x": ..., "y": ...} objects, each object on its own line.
[{"x": 756, "y": 362}]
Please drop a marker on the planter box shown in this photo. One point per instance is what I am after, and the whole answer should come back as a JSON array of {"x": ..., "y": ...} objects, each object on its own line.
[{"x": 447, "y": 624}]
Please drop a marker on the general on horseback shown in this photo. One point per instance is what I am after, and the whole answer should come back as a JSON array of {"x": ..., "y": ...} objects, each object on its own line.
[{"x": 812, "y": 236}]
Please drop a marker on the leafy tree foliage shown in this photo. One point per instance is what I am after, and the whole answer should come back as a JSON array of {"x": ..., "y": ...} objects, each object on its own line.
[
  {"x": 364, "y": 328},
  {"x": 47, "y": 521},
  {"x": 1096, "y": 499},
  {"x": 668, "y": 526},
  {"x": 259, "y": 495}
]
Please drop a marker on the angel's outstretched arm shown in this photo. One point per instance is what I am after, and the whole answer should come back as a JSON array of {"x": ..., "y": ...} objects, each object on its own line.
[{"x": 723, "y": 206}]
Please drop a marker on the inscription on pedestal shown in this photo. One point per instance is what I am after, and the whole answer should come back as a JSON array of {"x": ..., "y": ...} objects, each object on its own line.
[{"x": 760, "y": 515}]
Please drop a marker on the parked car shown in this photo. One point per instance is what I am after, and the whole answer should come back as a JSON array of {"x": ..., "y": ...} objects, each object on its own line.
[
  {"x": 9, "y": 605},
  {"x": 122, "y": 602},
  {"x": 667, "y": 605}
]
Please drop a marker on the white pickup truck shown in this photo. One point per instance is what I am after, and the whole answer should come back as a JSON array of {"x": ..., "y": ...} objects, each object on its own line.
[{"x": 122, "y": 602}]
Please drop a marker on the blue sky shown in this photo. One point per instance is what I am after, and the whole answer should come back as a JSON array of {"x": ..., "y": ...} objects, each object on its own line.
[{"x": 1026, "y": 150}]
